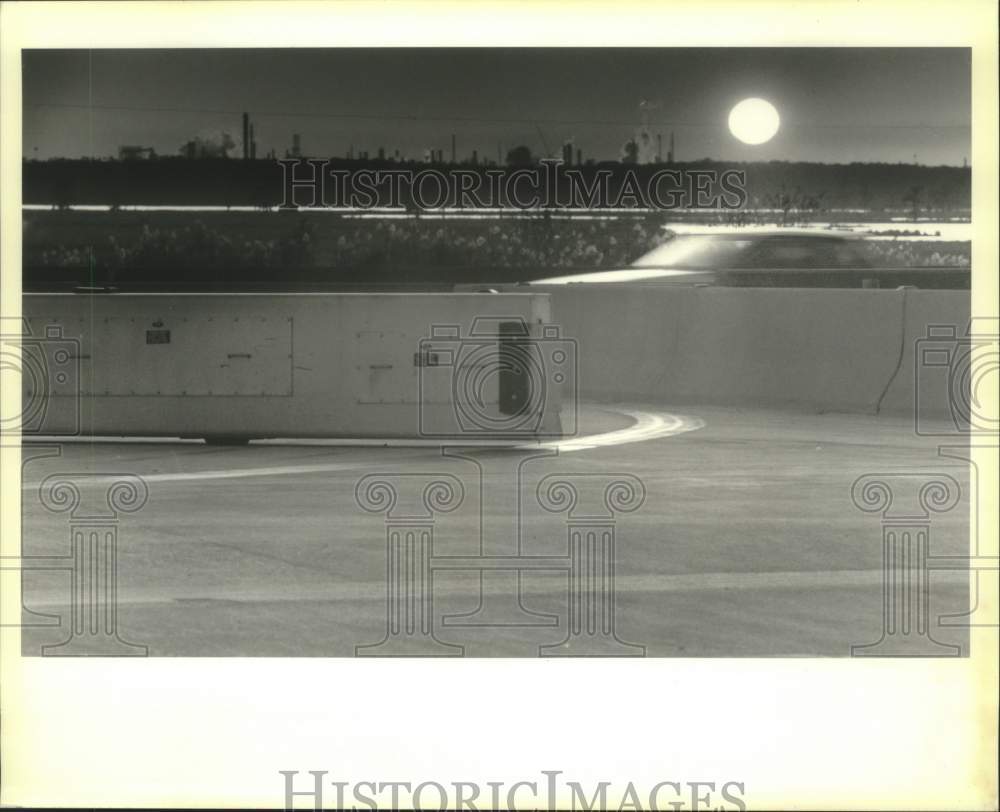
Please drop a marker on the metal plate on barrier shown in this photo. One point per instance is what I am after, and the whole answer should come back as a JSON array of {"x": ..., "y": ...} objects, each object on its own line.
[
  {"x": 384, "y": 368},
  {"x": 171, "y": 356}
]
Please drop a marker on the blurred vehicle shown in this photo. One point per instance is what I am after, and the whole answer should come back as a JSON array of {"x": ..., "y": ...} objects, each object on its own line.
[{"x": 690, "y": 259}]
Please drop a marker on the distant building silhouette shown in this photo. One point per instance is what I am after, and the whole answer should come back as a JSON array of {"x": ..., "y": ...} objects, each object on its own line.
[
  {"x": 216, "y": 145},
  {"x": 133, "y": 153}
]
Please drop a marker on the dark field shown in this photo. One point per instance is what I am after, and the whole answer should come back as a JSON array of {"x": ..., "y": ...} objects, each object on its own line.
[{"x": 137, "y": 249}]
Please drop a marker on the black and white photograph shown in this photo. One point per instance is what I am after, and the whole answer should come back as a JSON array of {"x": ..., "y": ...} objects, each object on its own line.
[{"x": 426, "y": 353}]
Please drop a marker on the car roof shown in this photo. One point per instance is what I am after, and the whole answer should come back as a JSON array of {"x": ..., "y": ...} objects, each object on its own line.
[{"x": 620, "y": 275}]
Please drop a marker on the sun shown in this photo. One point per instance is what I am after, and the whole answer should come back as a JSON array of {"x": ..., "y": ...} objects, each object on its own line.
[{"x": 754, "y": 121}]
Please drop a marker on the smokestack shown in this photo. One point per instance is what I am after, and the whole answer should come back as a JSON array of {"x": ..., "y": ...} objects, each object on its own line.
[
  {"x": 579, "y": 156},
  {"x": 246, "y": 136},
  {"x": 253, "y": 144},
  {"x": 659, "y": 148},
  {"x": 453, "y": 147}
]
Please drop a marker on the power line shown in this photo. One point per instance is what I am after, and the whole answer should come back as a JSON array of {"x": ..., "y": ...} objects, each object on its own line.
[
  {"x": 477, "y": 119},
  {"x": 371, "y": 116}
]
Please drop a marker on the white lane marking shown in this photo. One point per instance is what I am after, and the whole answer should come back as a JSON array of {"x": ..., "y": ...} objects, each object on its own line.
[
  {"x": 541, "y": 583},
  {"x": 647, "y": 426},
  {"x": 235, "y": 473}
]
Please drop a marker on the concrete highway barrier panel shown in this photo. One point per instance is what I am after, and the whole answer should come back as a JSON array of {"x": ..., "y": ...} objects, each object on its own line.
[
  {"x": 238, "y": 366},
  {"x": 473, "y": 365},
  {"x": 809, "y": 349}
]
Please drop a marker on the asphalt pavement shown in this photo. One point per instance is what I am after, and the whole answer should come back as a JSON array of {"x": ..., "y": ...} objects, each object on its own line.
[{"x": 729, "y": 533}]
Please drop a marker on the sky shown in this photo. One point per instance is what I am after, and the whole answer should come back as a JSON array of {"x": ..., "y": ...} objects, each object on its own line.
[{"x": 837, "y": 105}]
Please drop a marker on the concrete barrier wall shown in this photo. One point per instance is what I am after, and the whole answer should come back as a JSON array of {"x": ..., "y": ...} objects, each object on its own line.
[
  {"x": 823, "y": 350},
  {"x": 344, "y": 364},
  {"x": 264, "y": 365},
  {"x": 919, "y": 387}
]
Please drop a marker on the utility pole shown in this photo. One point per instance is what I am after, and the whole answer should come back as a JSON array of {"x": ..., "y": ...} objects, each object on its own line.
[{"x": 545, "y": 145}]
